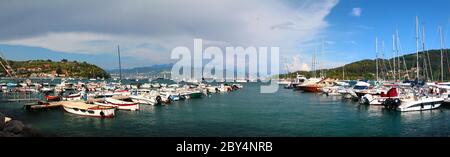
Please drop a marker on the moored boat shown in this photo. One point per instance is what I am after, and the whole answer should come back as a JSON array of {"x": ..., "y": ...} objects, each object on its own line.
[
  {"x": 52, "y": 98},
  {"x": 421, "y": 104},
  {"x": 123, "y": 103},
  {"x": 146, "y": 100},
  {"x": 72, "y": 97},
  {"x": 81, "y": 108}
]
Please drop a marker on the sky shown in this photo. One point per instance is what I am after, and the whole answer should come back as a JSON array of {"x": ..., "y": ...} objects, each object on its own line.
[{"x": 147, "y": 31}]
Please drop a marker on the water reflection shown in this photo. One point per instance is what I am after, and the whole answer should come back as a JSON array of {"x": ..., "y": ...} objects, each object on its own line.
[{"x": 409, "y": 117}]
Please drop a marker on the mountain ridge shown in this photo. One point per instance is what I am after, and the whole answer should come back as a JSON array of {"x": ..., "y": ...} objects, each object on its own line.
[{"x": 366, "y": 68}]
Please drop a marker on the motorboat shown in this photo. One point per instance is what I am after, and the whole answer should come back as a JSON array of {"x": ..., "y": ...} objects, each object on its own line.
[
  {"x": 416, "y": 100},
  {"x": 123, "y": 103},
  {"x": 371, "y": 99},
  {"x": 420, "y": 104},
  {"x": 72, "y": 97},
  {"x": 148, "y": 100}
]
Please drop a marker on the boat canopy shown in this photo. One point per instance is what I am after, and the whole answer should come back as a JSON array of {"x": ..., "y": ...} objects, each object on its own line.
[{"x": 391, "y": 93}]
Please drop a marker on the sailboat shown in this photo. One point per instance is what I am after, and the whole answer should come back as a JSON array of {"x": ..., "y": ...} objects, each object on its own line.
[{"x": 420, "y": 99}]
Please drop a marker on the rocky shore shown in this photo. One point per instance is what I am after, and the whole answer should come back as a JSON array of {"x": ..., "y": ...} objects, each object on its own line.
[{"x": 14, "y": 128}]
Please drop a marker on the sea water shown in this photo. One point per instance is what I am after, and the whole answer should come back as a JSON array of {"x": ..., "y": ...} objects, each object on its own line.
[{"x": 242, "y": 113}]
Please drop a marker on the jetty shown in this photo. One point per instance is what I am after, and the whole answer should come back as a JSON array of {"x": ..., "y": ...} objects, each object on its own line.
[{"x": 40, "y": 105}]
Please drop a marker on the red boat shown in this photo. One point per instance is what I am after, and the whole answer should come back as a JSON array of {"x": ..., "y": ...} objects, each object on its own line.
[
  {"x": 52, "y": 98},
  {"x": 313, "y": 88}
]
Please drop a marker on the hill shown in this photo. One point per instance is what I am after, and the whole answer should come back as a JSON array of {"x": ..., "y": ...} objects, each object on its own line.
[
  {"x": 366, "y": 69},
  {"x": 48, "y": 68},
  {"x": 150, "y": 69}
]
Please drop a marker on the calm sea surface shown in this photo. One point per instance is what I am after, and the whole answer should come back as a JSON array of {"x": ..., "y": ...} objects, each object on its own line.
[{"x": 245, "y": 112}]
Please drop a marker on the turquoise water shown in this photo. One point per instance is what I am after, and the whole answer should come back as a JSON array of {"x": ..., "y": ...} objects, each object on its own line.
[{"x": 243, "y": 113}]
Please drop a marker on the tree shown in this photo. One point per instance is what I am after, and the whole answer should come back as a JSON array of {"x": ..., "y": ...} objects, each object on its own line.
[
  {"x": 59, "y": 71},
  {"x": 49, "y": 60},
  {"x": 64, "y": 60}
]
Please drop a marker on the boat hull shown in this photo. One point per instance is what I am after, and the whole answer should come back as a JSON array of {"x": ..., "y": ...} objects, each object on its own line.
[
  {"x": 95, "y": 112},
  {"x": 147, "y": 101},
  {"x": 309, "y": 89},
  {"x": 123, "y": 105},
  {"x": 421, "y": 105}
]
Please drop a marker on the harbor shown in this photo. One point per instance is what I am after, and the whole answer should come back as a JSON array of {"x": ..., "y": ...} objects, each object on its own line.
[
  {"x": 285, "y": 68},
  {"x": 242, "y": 112}
]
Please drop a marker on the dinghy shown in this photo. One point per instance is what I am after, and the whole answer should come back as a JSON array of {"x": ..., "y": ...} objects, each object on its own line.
[{"x": 81, "y": 108}]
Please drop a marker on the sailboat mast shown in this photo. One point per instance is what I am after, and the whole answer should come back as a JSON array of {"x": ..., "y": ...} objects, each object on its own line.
[
  {"x": 322, "y": 71},
  {"x": 398, "y": 54},
  {"x": 389, "y": 62},
  {"x": 428, "y": 55},
  {"x": 376, "y": 55},
  {"x": 442, "y": 55},
  {"x": 417, "y": 47},
  {"x": 426, "y": 61},
  {"x": 313, "y": 67},
  {"x": 120, "y": 64},
  {"x": 343, "y": 72},
  {"x": 394, "y": 60}
]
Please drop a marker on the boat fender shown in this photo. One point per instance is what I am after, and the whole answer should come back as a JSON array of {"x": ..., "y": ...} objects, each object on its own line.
[{"x": 102, "y": 114}]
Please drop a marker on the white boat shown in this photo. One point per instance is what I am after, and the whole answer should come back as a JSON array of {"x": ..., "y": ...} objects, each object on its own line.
[
  {"x": 146, "y": 86},
  {"x": 46, "y": 89},
  {"x": 332, "y": 91},
  {"x": 146, "y": 100},
  {"x": 421, "y": 104},
  {"x": 81, "y": 108},
  {"x": 123, "y": 104},
  {"x": 72, "y": 97},
  {"x": 238, "y": 86},
  {"x": 156, "y": 85},
  {"x": 212, "y": 89},
  {"x": 241, "y": 81}
]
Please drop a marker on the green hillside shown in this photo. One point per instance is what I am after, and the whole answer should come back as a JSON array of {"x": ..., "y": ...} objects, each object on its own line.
[
  {"x": 63, "y": 68},
  {"x": 366, "y": 69}
]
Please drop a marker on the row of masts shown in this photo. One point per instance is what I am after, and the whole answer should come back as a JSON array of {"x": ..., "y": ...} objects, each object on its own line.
[
  {"x": 322, "y": 72},
  {"x": 396, "y": 61}
]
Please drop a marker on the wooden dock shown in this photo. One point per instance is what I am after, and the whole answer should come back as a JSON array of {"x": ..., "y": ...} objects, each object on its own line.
[{"x": 43, "y": 106}]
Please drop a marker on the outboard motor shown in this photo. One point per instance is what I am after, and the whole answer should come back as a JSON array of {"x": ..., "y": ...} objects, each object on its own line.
[
  {"x": 391, "y": 103},
  {"x": 158, "y": 99}
]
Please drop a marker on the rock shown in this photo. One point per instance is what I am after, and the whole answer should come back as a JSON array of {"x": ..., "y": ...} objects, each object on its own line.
[
  {"x": 29, "y": 132},
  {"x": 14, "y": 126},
  {"x": 7, "y": 134},
  {"x": 2, "y": 121}
]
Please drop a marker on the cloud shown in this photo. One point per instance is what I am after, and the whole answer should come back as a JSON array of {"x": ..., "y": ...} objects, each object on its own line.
[
  {"x": 356, "y": 12},
  {"x": 151, "y": 29},
  {"x": 297, "y": 64}
]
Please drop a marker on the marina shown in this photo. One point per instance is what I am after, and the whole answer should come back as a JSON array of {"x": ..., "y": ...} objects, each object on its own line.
[
  {"x": 241, "y": 112},
  {"x": 283, "y": 68}
]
